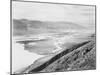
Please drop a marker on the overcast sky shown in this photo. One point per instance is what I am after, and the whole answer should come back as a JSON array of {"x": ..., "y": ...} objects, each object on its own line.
[{"x": 84, "y": 15}]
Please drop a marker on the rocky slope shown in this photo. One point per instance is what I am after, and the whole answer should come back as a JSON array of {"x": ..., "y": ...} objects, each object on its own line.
[{"x": 81, "y": 56}]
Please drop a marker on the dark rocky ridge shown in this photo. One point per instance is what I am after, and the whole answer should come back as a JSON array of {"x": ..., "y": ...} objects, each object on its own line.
[{"x": 83, "y": 58}]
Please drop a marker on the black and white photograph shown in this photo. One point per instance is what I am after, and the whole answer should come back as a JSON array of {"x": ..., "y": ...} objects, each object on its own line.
[{"x": 52, "y": 37}]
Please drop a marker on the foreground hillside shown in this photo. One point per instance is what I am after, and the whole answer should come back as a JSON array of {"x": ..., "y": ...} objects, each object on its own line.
[{"x": 81, "y": 56}]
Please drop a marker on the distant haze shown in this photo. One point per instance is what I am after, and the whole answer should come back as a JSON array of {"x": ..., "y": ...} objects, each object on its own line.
[{"x": 83, "y": 15}]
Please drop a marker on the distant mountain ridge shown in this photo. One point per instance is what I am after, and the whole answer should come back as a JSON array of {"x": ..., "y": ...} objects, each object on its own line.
[{"x": 24, "y": 26}]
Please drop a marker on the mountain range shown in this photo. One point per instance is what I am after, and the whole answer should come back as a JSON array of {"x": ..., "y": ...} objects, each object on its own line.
[{"x": 24, "y": 26}]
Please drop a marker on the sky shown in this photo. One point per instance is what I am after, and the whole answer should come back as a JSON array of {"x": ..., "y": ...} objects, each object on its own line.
[{"x": 83, "y": 15}]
